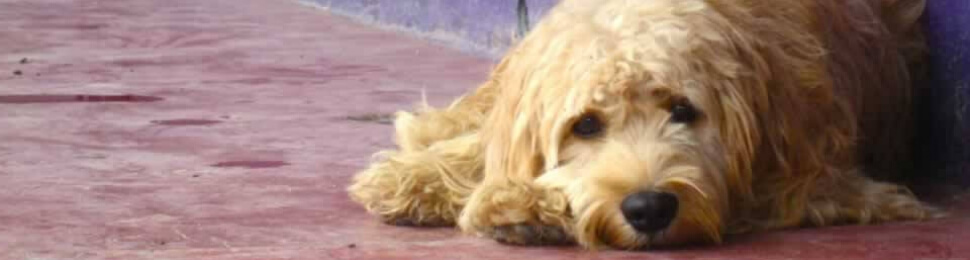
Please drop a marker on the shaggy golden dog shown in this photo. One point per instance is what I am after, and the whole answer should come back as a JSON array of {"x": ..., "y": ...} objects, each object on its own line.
[{"x": 642, "y": 123}]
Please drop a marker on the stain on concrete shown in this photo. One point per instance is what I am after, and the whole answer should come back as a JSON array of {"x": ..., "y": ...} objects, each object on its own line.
[
  {"x": 379, "y": 118},
  {"x": 29, "y": 99},
  {"x": 186, "y": 122},
  {"x": 251, "y": 164}
]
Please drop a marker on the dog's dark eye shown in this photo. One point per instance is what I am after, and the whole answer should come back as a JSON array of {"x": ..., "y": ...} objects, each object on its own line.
[
  {"x": 588, "y": 126},
  {"x": 682, "y": 112}
]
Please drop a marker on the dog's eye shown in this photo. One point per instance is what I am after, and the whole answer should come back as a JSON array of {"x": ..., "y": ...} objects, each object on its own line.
[
  {"x": 682, "y": 112},
  {"x": 588, "y": 126}
]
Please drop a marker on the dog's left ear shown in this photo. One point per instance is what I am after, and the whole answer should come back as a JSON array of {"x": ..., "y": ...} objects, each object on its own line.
[{"x": 902, "y": 16}]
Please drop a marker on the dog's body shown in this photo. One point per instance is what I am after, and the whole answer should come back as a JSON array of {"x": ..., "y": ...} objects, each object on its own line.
[{"x": 632, "y": 123}]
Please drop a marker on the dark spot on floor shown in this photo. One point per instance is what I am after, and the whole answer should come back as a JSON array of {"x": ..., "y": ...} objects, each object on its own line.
[
  {"x": 384, "y": 119},
  {"x": 28, "y": 99},
  {"x": 186, "y": 122},
  {"x": 18, "y": 72},
  {"x": 23, "y": 61},
  {"x": 352, "y": 245},
  {"x": 250, "y": 164}
]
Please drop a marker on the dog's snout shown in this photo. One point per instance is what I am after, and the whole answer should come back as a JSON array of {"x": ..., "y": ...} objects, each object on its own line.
[{"x": 648, "y": 211}]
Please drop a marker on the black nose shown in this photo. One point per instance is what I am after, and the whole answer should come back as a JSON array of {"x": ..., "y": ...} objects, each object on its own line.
[{"x": 648, "y": 211}]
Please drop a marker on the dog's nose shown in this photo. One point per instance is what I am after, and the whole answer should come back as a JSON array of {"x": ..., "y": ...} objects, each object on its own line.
[{"x": 649, "y": 211}]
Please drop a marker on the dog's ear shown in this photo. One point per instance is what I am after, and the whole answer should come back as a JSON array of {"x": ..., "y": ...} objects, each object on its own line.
[
  {"x": 791, "y": 123},
  {"x": 783, "y": 126},
  {"x": 510, "y": 134},
  {"x": 902, "y": 15}
]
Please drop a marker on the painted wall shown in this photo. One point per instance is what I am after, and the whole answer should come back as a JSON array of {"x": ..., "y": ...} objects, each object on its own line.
[
  {"x": 484, "y": 27},
  {"x": 946, "y": 104}
]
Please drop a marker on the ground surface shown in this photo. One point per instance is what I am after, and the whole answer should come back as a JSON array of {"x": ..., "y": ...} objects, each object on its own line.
[{"x": 226, "y": 129}]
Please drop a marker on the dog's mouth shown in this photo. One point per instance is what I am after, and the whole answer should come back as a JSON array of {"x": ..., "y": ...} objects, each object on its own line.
[
  {"x": 650, "y": 219},
  {"x": 684, "y": 215},
  {"x": 646, "y": 196}
]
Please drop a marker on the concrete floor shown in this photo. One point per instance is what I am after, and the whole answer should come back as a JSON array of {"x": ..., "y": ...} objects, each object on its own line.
[{"x": 227, "y": 129}]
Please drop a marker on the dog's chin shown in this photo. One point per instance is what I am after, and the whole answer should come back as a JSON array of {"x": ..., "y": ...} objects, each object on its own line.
[{"x": 600, "y": 224}]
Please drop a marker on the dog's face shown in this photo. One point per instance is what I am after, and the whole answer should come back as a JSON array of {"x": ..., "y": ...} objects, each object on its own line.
[
  {"x": 639, "y": 111},
  {"x": 643, "y": 162}
]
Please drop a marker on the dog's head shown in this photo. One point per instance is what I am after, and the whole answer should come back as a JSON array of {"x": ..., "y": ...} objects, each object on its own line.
[{"x": 652, "y": 115}]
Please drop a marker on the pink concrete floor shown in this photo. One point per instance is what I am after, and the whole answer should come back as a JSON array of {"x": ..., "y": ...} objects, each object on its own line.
[{"x": 227, "y": 129}]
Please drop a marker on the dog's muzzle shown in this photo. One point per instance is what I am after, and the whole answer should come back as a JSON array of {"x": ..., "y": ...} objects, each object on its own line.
[{"x": 649, "y": 212}]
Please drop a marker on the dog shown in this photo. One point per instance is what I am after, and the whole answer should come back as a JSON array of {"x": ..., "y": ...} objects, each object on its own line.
[{"x": 637, "y": 124}]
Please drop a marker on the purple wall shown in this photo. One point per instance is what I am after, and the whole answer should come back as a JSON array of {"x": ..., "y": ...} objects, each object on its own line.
[
  {"x": 485, "y": 27},
  {"x": 945, "y": 116}
]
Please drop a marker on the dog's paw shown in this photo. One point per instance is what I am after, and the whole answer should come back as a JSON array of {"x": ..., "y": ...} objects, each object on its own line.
[
  {"x": 529, "y": 235},
  {"x": 519, "y": 213},
  {"x": 865, "y": 201}
]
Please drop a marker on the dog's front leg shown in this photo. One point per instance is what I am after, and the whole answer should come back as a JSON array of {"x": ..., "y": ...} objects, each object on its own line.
[
  {"x": 421, "y": 187},
  {"x": 855, "y": 199},
  {"x": 518, "y": 212}
]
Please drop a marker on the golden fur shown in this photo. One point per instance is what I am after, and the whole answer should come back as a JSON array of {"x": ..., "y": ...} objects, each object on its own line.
[{"x": 798, "y": 99}]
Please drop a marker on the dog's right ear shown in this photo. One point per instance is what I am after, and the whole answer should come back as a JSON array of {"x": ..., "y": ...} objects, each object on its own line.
[{"x": 510, "y": 133}]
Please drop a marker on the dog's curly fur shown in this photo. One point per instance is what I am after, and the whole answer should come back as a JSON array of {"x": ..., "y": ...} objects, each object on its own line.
[{"x": 797, "y": 100}]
